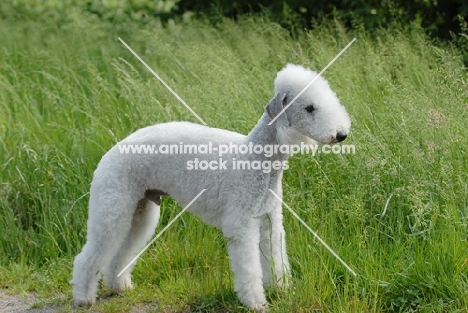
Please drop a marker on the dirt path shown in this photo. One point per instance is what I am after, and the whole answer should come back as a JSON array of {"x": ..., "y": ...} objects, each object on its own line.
[
  {"x": 15, "y": 303},
  {"x": 18, "y": 304},
  {"x": 22, "y": 303}
]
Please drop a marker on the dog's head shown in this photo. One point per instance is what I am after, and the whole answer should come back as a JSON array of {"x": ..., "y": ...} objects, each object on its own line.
[{"x": 316, "y": 114}]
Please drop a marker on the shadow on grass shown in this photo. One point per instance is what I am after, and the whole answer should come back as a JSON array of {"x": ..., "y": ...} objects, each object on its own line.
[{"x": 222, "y": 301}]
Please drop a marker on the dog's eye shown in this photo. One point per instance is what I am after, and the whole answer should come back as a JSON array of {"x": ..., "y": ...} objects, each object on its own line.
[{"x": 310, "y": 108}]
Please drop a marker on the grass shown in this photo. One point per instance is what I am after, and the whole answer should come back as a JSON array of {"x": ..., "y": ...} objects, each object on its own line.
[{"x": 396, "y": 211}]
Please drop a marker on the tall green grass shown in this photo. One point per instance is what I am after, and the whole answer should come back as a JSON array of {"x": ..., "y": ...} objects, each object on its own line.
[{"x": 396, "y": 211}]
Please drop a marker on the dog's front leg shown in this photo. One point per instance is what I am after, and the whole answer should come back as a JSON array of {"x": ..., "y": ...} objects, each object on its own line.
[
  {"x": 243, "y": 247},
  {"x": 275, "y": 264}
]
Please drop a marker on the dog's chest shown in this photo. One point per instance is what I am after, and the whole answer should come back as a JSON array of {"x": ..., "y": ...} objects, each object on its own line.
[{"x": 260, "y": 200}]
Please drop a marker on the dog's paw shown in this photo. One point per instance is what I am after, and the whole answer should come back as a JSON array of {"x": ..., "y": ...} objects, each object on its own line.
[
  {"x": 263, "y": 308},
  {"x": 83, "y": 302}
]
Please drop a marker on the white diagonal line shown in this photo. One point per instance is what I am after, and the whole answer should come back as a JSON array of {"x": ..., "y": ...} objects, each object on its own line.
[
  {"x": 315, "y": 234},
  {"x": 313, "y": 80},
  {"x": 162, "y": 81},
  {"x": 160, "y": 233}
]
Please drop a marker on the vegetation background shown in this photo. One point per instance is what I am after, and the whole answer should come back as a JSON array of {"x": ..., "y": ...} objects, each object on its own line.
[{"x": 396, "y": 211}]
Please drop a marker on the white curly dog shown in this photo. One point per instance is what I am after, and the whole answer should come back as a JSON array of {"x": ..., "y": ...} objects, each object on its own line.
[{"x": 126, "y": 189}]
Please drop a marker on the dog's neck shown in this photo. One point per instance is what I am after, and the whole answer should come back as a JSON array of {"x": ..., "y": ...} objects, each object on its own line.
[{"x": 264, "y": 134}]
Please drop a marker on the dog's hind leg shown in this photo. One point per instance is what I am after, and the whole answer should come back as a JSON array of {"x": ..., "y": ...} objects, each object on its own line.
[
  {"x": 109, "y": 222},
  {"x": 145, "y": 220}
]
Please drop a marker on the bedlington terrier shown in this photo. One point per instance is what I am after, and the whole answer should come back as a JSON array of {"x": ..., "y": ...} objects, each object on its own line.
[{"x": 237, "y": 172}]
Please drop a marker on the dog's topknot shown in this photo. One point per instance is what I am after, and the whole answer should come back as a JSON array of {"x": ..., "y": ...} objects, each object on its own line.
[{"x": 293, "y": 78}]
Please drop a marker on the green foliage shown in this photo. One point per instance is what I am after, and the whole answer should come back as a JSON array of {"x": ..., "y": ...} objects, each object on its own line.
[
  {"x": 396, "y": 211},
  {"x": 60, "y": 11},
  {"x": 461, "y": 39},
  {"x": 438, "y": 18}
]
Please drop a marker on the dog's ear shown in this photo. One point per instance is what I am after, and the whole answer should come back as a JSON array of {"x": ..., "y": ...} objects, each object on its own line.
[{"x": 276, "y": 105}]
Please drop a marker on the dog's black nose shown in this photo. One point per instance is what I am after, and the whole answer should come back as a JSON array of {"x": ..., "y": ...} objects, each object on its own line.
[{"x": 341, "y": 136}]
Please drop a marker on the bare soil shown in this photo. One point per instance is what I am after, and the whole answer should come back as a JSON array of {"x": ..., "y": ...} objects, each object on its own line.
[
  {"x": 17, "y": 303},
  {"x": 12, "y": 303}
]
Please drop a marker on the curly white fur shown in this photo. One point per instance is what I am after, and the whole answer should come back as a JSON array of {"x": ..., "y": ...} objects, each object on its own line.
[{"x": 125, "y": 191}]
